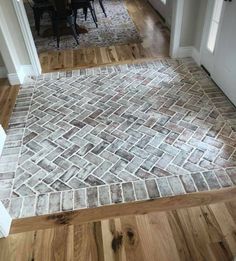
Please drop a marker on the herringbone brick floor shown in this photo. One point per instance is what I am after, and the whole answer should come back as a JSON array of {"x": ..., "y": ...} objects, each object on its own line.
[{"x": 117, "y": 134}]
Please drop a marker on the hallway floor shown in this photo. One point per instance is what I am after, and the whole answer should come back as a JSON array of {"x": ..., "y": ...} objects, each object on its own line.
[{"x": 109, "y": 135}]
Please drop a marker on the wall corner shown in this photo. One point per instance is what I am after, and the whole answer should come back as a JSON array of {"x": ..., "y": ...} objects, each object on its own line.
[{"x": 5, "y": 221}]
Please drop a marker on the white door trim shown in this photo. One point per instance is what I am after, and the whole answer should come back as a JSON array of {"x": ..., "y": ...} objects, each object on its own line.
[
  {"x": 2, "y": 138},
  {"x": 9, "y": 53},
  {"x": 176, "y": 26},
  {"x": 27, "y": 35}
]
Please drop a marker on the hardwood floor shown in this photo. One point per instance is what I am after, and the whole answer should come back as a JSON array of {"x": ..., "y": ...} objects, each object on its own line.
[
  {"x": 155, "y": 44},
  {"x": 196, "y": 233},
  {"x": 8, "y": 96}
]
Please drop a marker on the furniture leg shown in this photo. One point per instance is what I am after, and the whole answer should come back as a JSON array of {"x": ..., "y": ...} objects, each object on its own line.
[
  {"x": 93, "y": 15},
  {"x": 85, "y": 10},
  {"x": 103, "y": 8},
  {"x": 56, "y": 24},
  {"x": 69, "y": 19},
  {"x": 75, "y": 19}
]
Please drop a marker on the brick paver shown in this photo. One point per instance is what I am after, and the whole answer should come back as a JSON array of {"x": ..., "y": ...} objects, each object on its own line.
[{"x": 117, "y": 134}]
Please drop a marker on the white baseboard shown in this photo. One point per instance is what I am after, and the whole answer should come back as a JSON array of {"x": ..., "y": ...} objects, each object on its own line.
[
  {"x": 196, "y": 56},
  {"x": 15, "y": 78},
  {"x": 29, "y": 72},
  {"x": 189, "y": 51},
  {"x": 22, "y": 76},
  {"x": 3, "y": 72},
  {"x": 184, "y": 52},
  {"x": 5, "y": 222},
  {"x": 2, "y": 139}
]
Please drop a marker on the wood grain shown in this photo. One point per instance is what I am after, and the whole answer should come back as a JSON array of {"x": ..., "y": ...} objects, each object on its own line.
[
  {"x": 117, "y": 210},
  {"x": 202, "y": 233},
  {"x": 8, "y": 96},
  {"x": 155, "y": 44}
]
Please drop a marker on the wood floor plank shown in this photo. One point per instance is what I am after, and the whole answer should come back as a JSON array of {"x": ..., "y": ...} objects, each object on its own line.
[
  {"x": 179, "y": 236},
  {"x": 88, "y": 242},
  {"x": 113, "y": 246},
  {"x": 210, "y": 225},
  {"x": 196, "y": 236},
  {"x": 8, "y": 96},
  {"x": 132, "y": 239},
  {"x": 220, "y": 251},
  {"x": 163, "y": 241},
  {"x": 199, "y": 233},
  {"x": 147, "y": 241},
  {"x": 224, "y": 218},
  {"x": 231, "y": 208},
  {"x": 19, "y": 247}
]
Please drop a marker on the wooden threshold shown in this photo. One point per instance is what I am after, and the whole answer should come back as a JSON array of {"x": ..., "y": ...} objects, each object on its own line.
[
  {"x": 118, "y": 210},
  {"x": 86, "y": 66}
]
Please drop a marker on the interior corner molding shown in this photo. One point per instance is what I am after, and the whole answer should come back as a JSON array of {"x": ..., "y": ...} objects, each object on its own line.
[
  {"x": 22, "y": 76},
  {"x": 15, "y": 78},
  {"x": 27, "y": 35},
  {"x": 185, "y": 51},
  {"x": 196, "y": 56},
  {"x": 189, "y": 51},
  {"x": 3, "y": 72}
]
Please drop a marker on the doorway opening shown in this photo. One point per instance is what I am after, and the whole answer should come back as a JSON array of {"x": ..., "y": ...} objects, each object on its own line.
[{"x": 120, "y": 36}]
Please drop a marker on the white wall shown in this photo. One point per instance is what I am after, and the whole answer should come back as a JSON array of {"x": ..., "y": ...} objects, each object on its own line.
[
  {"x": 14, "y": 28},
  {"x": 189, "y": 22},
  {"x": 1, "y": 61},
  {"x": 164, "y": 9},
  {"x": 192, "y": 20},
  {"x": 12, "y": 45},
  {"x": 200, "y": 24},
  {"x": 3, "y": 71},
  {"x": 192, "y": 23}
]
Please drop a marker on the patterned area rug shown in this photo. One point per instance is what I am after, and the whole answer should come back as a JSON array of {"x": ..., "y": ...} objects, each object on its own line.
[
  {"x": 109, "y": 135},
  {"x": 115, "y": 29}
]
